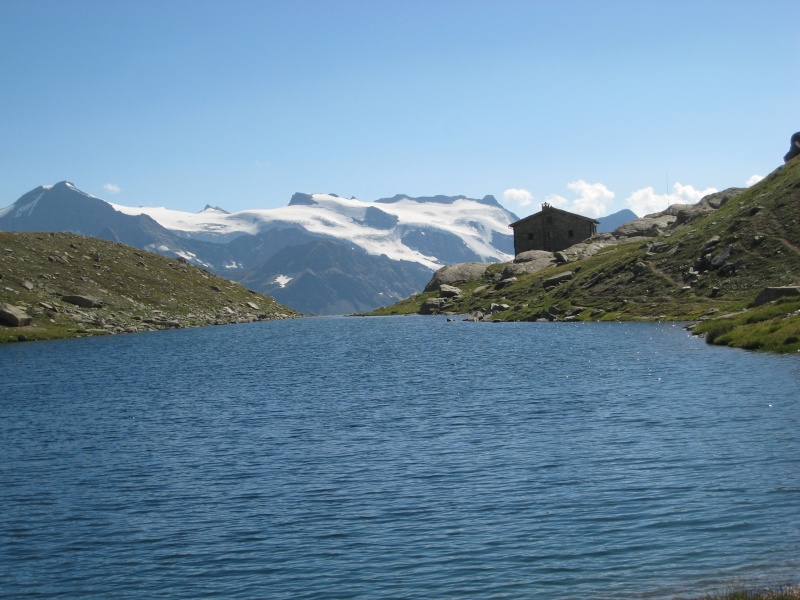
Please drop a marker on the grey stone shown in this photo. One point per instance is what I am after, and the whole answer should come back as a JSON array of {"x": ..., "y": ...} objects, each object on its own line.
[
  {"x": 658, "y": 247},
  {"x": 506, "y": 282},
  {"x": 458, "y": 273},
  {"x": 649, "y": 226},
  {"x": 534, "y": 255},
  {"x": 770, "y": 294},
  {"x": 556, "y": 279},
  {"x": 433, "y": 305},
  {"x": 720, "y": 259},
  {"x": 533, "y": 266},
  {"x": 449, "y": 291},
  {"x": 83, "y": 301},
  {"x": 14, "y": 316}
]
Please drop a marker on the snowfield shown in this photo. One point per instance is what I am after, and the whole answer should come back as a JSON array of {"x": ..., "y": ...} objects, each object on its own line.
[{"x": 331, "y": 216}]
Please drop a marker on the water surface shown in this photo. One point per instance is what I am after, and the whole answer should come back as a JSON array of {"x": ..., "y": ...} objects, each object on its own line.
[{"x": 396, "y": 457}]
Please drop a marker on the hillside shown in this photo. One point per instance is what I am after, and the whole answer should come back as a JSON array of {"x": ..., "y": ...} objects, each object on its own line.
[
  {"x": 70, "y": 285},
  {"x": 678, "y": 265}
]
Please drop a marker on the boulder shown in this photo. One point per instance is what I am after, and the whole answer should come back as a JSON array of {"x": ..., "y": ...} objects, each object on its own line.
[
  {"x": 458, "y": 273},
  {"x": 449, "y": 291},
  {"x": 723, "y": 257},
  {"x": 534, "y": 266},
  {"x": 14, "y": 316},
  {"x": 556, "y": 279},
  {"x": 433, "y": 305},
  {"x": 534, "y": 255},
  {"x": 769, "y": 294},
  {"x": 506, "y": 282},
  {"x": 561, "y": 257},
  {"x": 83, "y": 301}
]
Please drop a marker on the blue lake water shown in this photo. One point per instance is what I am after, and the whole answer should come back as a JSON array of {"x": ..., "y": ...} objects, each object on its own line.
[{"x": 396, "y": 457}]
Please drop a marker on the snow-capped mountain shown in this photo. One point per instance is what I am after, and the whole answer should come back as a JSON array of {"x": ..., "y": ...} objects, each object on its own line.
[{"x": 319, "y": 254}]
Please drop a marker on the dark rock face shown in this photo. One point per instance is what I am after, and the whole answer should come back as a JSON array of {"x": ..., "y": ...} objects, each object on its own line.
[
  {"x": 376, "y": 218},
  {"x": 794, "y": 149},
  {"x": 301, "y": 199}
]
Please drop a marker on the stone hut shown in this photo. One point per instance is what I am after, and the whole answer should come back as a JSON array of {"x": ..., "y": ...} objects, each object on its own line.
[{"x": 551, "y": 229}]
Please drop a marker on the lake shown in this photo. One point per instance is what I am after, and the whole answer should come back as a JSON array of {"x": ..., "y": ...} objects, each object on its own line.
[{"x": 396, "y": 457}]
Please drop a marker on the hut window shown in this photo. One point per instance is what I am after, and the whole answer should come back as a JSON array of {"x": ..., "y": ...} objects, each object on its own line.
[
  {"x": 530, "y": 236},
  {"x": 571, "y": 233}
]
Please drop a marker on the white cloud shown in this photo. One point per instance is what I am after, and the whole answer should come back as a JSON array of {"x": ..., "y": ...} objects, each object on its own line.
[
  {"x": 592, "y": 200},
  {"x": 646, "y": 201},
  {"x": 754, "y": 180},
  {"x": 112, "y": 188},
  {"x": 519, "y": 197}
]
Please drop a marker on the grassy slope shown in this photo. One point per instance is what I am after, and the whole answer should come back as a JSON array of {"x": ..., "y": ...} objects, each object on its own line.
[
  {"x": 141, "y": 291},
  {"x": 762, "y": 227}
]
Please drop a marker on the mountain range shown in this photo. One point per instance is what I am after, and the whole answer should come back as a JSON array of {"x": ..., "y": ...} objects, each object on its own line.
[{"x": 320, "y": 254}]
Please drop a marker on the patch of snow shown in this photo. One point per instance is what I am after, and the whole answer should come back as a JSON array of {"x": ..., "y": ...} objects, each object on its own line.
[
  {"x": 232, "y": 265},
  {"x": 28, "y": 208},
  {"x": 282, "y": 280}
]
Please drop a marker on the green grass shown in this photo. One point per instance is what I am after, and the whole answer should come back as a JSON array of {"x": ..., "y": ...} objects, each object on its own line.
[{"x": 771, "y": 328}]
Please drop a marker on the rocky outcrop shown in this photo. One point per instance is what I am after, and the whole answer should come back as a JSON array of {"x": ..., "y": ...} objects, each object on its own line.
[
  {"x": 649, "y": 226},
  {"x": 675, "y": 215},
  {"x": 458, "y": 273}
]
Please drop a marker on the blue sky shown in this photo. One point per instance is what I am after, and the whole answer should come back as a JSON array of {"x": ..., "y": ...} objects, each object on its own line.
[{"x": 594, "y": 106}]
